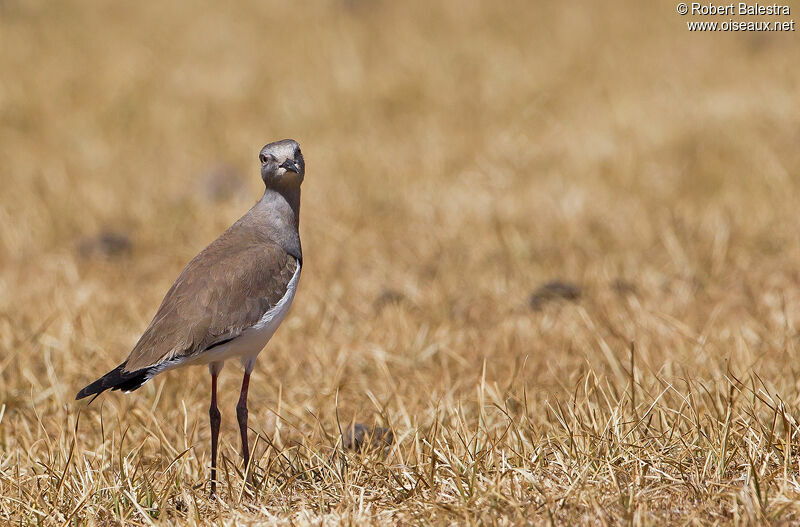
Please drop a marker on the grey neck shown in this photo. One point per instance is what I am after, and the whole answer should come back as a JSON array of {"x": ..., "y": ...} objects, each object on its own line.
[
  {"x": 291, "y": 194},
  {"x": 278, "y": 217}
]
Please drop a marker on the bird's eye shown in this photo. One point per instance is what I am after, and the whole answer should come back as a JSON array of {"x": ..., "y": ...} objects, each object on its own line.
[{"x": 262, "y": 158}]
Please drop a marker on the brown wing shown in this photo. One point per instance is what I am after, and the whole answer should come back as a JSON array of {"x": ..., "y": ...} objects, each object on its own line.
[{"x": 223, "y": 291}]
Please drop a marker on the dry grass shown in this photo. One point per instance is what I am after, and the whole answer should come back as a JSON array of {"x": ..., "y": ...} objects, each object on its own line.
[{"x": 458, "y": 158}]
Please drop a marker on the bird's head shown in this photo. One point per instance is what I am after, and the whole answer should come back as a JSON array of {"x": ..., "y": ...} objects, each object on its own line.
[{"x": 282, "y": 164}]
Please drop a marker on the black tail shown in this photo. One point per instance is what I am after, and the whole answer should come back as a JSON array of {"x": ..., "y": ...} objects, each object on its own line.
[{"x": 117, "y": 379}]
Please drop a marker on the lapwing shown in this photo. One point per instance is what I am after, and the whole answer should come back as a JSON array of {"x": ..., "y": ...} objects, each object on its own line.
[{"x": 230, "y": 299}]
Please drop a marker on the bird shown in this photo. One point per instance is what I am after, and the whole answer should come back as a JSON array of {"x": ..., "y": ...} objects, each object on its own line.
[{"x": 229, "y": 299}]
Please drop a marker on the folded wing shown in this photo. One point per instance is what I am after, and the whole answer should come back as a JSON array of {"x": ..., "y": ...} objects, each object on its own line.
[{"x": 223, "y": 291}]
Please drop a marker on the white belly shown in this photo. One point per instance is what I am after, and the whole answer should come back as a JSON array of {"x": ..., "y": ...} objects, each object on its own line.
[{"x": 249, "y": 344}]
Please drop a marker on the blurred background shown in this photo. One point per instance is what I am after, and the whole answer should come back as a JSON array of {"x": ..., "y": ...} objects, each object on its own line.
[{"x": 497, "y": 194}]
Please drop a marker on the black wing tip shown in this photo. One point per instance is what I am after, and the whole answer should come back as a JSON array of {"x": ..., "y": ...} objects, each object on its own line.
[
  {"x": 83, "y": 394},
  {"x": 117, "y": 379}
]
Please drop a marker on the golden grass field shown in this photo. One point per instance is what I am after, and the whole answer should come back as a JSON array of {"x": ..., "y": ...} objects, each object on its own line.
[{"x": 459, "y": 156}]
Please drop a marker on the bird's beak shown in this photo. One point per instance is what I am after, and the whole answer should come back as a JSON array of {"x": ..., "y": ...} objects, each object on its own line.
[{"x": 291, "y": 164}]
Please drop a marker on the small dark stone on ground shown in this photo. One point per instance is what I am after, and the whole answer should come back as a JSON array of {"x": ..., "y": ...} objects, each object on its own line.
[
  {"x": 359, "y": 436},
  {"x": 554, "y": 291},
  {"x": 106, "y": 244},
  {"x": 387, "y": 297}
]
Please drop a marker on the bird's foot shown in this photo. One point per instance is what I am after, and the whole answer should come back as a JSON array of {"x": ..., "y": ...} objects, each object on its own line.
[{"x": 213, "y": 494}]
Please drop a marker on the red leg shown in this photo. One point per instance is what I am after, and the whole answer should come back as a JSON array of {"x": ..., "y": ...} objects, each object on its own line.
[
  {"x": 241, "y": 414},
  {"x": 215, "y": 418}
]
